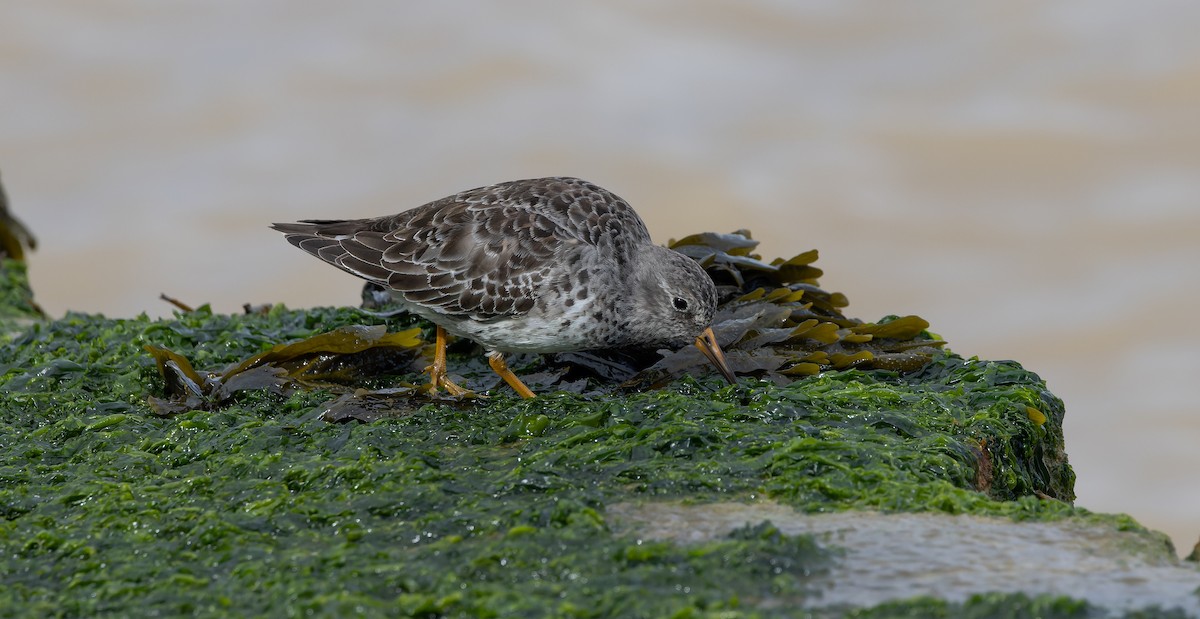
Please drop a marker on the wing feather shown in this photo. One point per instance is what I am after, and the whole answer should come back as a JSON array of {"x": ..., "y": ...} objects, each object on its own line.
[{"x": 485, "y": 253}]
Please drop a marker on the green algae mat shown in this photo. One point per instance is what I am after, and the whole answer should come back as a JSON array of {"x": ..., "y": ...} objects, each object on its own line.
[{"x": 133, "y": 485}]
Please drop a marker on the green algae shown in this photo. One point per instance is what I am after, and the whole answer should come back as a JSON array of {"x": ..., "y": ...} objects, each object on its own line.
[
  {"x": 16, "y": 297},
  {"x": 255, "y": 505},
  {"x": 486, "y": 508}
]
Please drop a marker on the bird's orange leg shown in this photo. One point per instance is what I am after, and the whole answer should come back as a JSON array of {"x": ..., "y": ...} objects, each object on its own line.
[
  {"x": 496, "y": 360},
  {"x": 437, "y": 371}
]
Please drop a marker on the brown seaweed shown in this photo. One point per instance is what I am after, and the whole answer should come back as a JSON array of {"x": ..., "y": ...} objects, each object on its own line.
[
  {"x": 775, "y": 321},
  {"x": 14, "y": 236},
  {"x": 338, "y": 357}
]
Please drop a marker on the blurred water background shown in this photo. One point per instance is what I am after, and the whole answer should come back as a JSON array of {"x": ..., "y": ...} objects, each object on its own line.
[{"x": 1024, "y": 175}]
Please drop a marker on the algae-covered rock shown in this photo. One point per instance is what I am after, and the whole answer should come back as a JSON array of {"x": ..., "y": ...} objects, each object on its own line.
[
  {"x": 15, "y": 238},
  {"x": 16, "y": 298},
  {"x": 254, "y": 504},
  {"x": 937, "y": 564}
]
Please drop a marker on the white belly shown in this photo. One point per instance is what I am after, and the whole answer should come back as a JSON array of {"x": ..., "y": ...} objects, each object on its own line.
[{"x": 570, "y": 329}]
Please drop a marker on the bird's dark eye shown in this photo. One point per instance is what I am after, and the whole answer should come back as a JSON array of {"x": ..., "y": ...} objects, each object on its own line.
[{"x": 680, "y": 304}]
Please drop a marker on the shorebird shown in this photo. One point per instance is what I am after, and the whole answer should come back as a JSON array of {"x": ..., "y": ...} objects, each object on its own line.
[{"x": 540, "y": 265}]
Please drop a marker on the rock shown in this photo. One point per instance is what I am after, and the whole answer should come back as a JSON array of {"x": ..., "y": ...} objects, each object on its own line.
[
  {"x": 880, "y": 558},
  {"x": 869, "y": 492}
]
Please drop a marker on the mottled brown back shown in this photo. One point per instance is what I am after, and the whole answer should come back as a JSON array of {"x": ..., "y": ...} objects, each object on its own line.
[{"x": 482, "y": 254}]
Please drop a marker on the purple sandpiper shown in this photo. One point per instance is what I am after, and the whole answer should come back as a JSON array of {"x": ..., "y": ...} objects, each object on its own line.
[{"x": 540, "y": 265}]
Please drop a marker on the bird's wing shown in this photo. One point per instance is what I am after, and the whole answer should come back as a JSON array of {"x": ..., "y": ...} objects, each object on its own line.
[{"x": 484, "y": 253}]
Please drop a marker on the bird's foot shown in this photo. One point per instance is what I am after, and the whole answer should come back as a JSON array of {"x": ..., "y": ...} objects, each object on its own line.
[
  {"x": 439, "y": 379},
  {"x": 496, "y": 360},
  {"x": 437, "y": 371}
]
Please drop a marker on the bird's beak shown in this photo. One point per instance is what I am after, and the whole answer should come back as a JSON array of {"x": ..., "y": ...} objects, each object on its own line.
[{"x": 707, "y": 343}]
